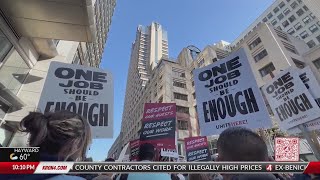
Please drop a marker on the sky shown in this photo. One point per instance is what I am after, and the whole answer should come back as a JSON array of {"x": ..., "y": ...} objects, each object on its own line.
[{"x": 188, "y": 22}]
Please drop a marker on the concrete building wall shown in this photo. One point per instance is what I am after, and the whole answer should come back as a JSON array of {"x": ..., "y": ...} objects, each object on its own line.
[
  {"x": 24, "y": 63},
  {"x": 282, "y": 50},
  {"x": 286, "y": 15},
  {"x": 314, "y": 6},
  {"x": 312, "y": 58}
]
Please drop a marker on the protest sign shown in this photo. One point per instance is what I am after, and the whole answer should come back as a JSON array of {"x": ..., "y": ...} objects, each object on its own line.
[
  {"x": 134, "y": 150},
  {"x": 169, "y": 153},
  {"x": 197, "y": 149},
  {"x": 290, "y": 100},
  {"x": 311, "y": 83},
  {"x": 228, "y": 95},
  {"x": 159, "y": 125},
  {"x": 86, "y": 91}
]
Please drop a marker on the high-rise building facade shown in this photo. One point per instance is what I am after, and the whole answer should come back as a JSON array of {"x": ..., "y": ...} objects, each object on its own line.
[
  {"x": 35, "y": 33},
  {"x": 152, "y": 80},
  {"x": 291, "y": 16},
  {"x": 150, "y": 45}
]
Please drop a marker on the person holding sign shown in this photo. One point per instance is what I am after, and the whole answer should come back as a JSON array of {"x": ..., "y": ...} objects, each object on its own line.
[
  {"x": 61, "y": 136},
  {"x": 147, "y": 153},
  {"x": 242, "y": 144}
]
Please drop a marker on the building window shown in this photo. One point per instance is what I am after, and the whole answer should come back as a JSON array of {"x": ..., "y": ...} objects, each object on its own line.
[
  {"x": 264, "y": 19},
  {"x": 274, "y": 22},
  {"x": 194, "y": 95},
  {"x": 300, "y": 12},
  {"x": 179, "y": 73},
  {"x": 281, "y": 5},
  {"x": 294, "y": 5},
  {"x": 305, "y": 8},
  {"x": 201, "y": 62},
  {"x": 279, "y": 27},
  {"x": 312, "y": 16},
  {"x": 269, "y": 15},
  {"x": 275, "y": 10},
  {"x": 313, "y": 28},
  {"x": 318, "y": 38},
  {"x": 182, "y": 109},
  {"x": 285, "y": 23},
  {"x": 180, "y": 96},
  {"x": 291, "y": 31},
  {"x": 288, "y": 0},
  {"x": 306, "y": 20},
  {"x": 298, "y": 63},
  {"x": 260, "y": 55},
  {"x": 280, "y": 16},
  {"x": 254, "y": 43},
  {"x": 160, "y": 99},
  {"x": 179, "y": 84},
  {"x": 317, "y": 63},
  {"x": 192, "y": 83},
  {"x": 292, "y": 18},
  {"x": 299, "y": 1},
  {"x": 267, "y": 69},
  {"x": 298, "y": 26},
  {"x": 304, "y": 34},
  {"x": 286, "y": 11},
  {"x": 5, "y": 46},
  {"x": 183, "y": 125},
  {"x": 311, "y": 44}
]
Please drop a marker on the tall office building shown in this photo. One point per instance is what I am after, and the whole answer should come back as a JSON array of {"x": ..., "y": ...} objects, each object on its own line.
[
  {"x": 167, "y": 81},
  {"x": 150, "y": 45},
  {"x": 33, "y": 34},
  {"x": 291, "y": 16}
]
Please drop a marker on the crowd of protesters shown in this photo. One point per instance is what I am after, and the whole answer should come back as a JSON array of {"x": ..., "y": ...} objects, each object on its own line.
[{"x": 65, "y": 136}]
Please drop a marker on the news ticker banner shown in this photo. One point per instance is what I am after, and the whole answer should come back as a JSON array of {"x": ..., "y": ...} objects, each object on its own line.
[{"x": 158, "y": 167}]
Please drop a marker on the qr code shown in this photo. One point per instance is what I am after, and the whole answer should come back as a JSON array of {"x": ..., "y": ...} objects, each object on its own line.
[{"x": 287, "y": 149}]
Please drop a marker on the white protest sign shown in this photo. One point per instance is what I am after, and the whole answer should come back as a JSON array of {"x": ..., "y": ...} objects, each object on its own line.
[
  {"x": 311, "y": 83},
  {"x": 228, "y": 95},
  {"x": 169, "y": 153},
  {"x": 290, "y": 100},
  {"x": 86, "y": 91},
  {"x": 126, "y": 158}
]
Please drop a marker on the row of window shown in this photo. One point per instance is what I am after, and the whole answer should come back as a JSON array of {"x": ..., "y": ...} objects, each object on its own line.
[
  {"x": 286, "y": 11},
  {"x": 179, "y": 84},
  {"x": 268, "y": 69},
  {"x": 180, "y": 96},
  {"x": 313, "y": 28},
  {"x": 311, "y": 43},
  {"x": 179, "y": 73},
  {"x": 276, "y": 10}
]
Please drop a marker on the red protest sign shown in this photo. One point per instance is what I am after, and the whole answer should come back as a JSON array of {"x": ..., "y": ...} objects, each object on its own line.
[
  {"x": 197, "y": 148},
  {"x": 159, "y": 125}
]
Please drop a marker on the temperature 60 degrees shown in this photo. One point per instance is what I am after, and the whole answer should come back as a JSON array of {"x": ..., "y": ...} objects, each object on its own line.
[{"x": 24, "y": 157}]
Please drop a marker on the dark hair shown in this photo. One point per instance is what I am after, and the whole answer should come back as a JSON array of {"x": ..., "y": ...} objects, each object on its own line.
[
  {"x": 109, "y": 160},
  {"x": 199, "y": 177},
  {"x": 63, "y": 133},
  {"x": 174, "y": 177},
  {"x": 146, "y": 152},
  {"x": 241, "y": 144}
]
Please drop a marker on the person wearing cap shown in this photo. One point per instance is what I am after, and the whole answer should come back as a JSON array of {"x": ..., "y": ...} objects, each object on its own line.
[{"x": 147, "y": 153}]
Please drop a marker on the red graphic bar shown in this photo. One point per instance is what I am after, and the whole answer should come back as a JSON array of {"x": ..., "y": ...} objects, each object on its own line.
[
  {"x": 18, "y": 167},
  {"x": 312, "y": 168}
]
